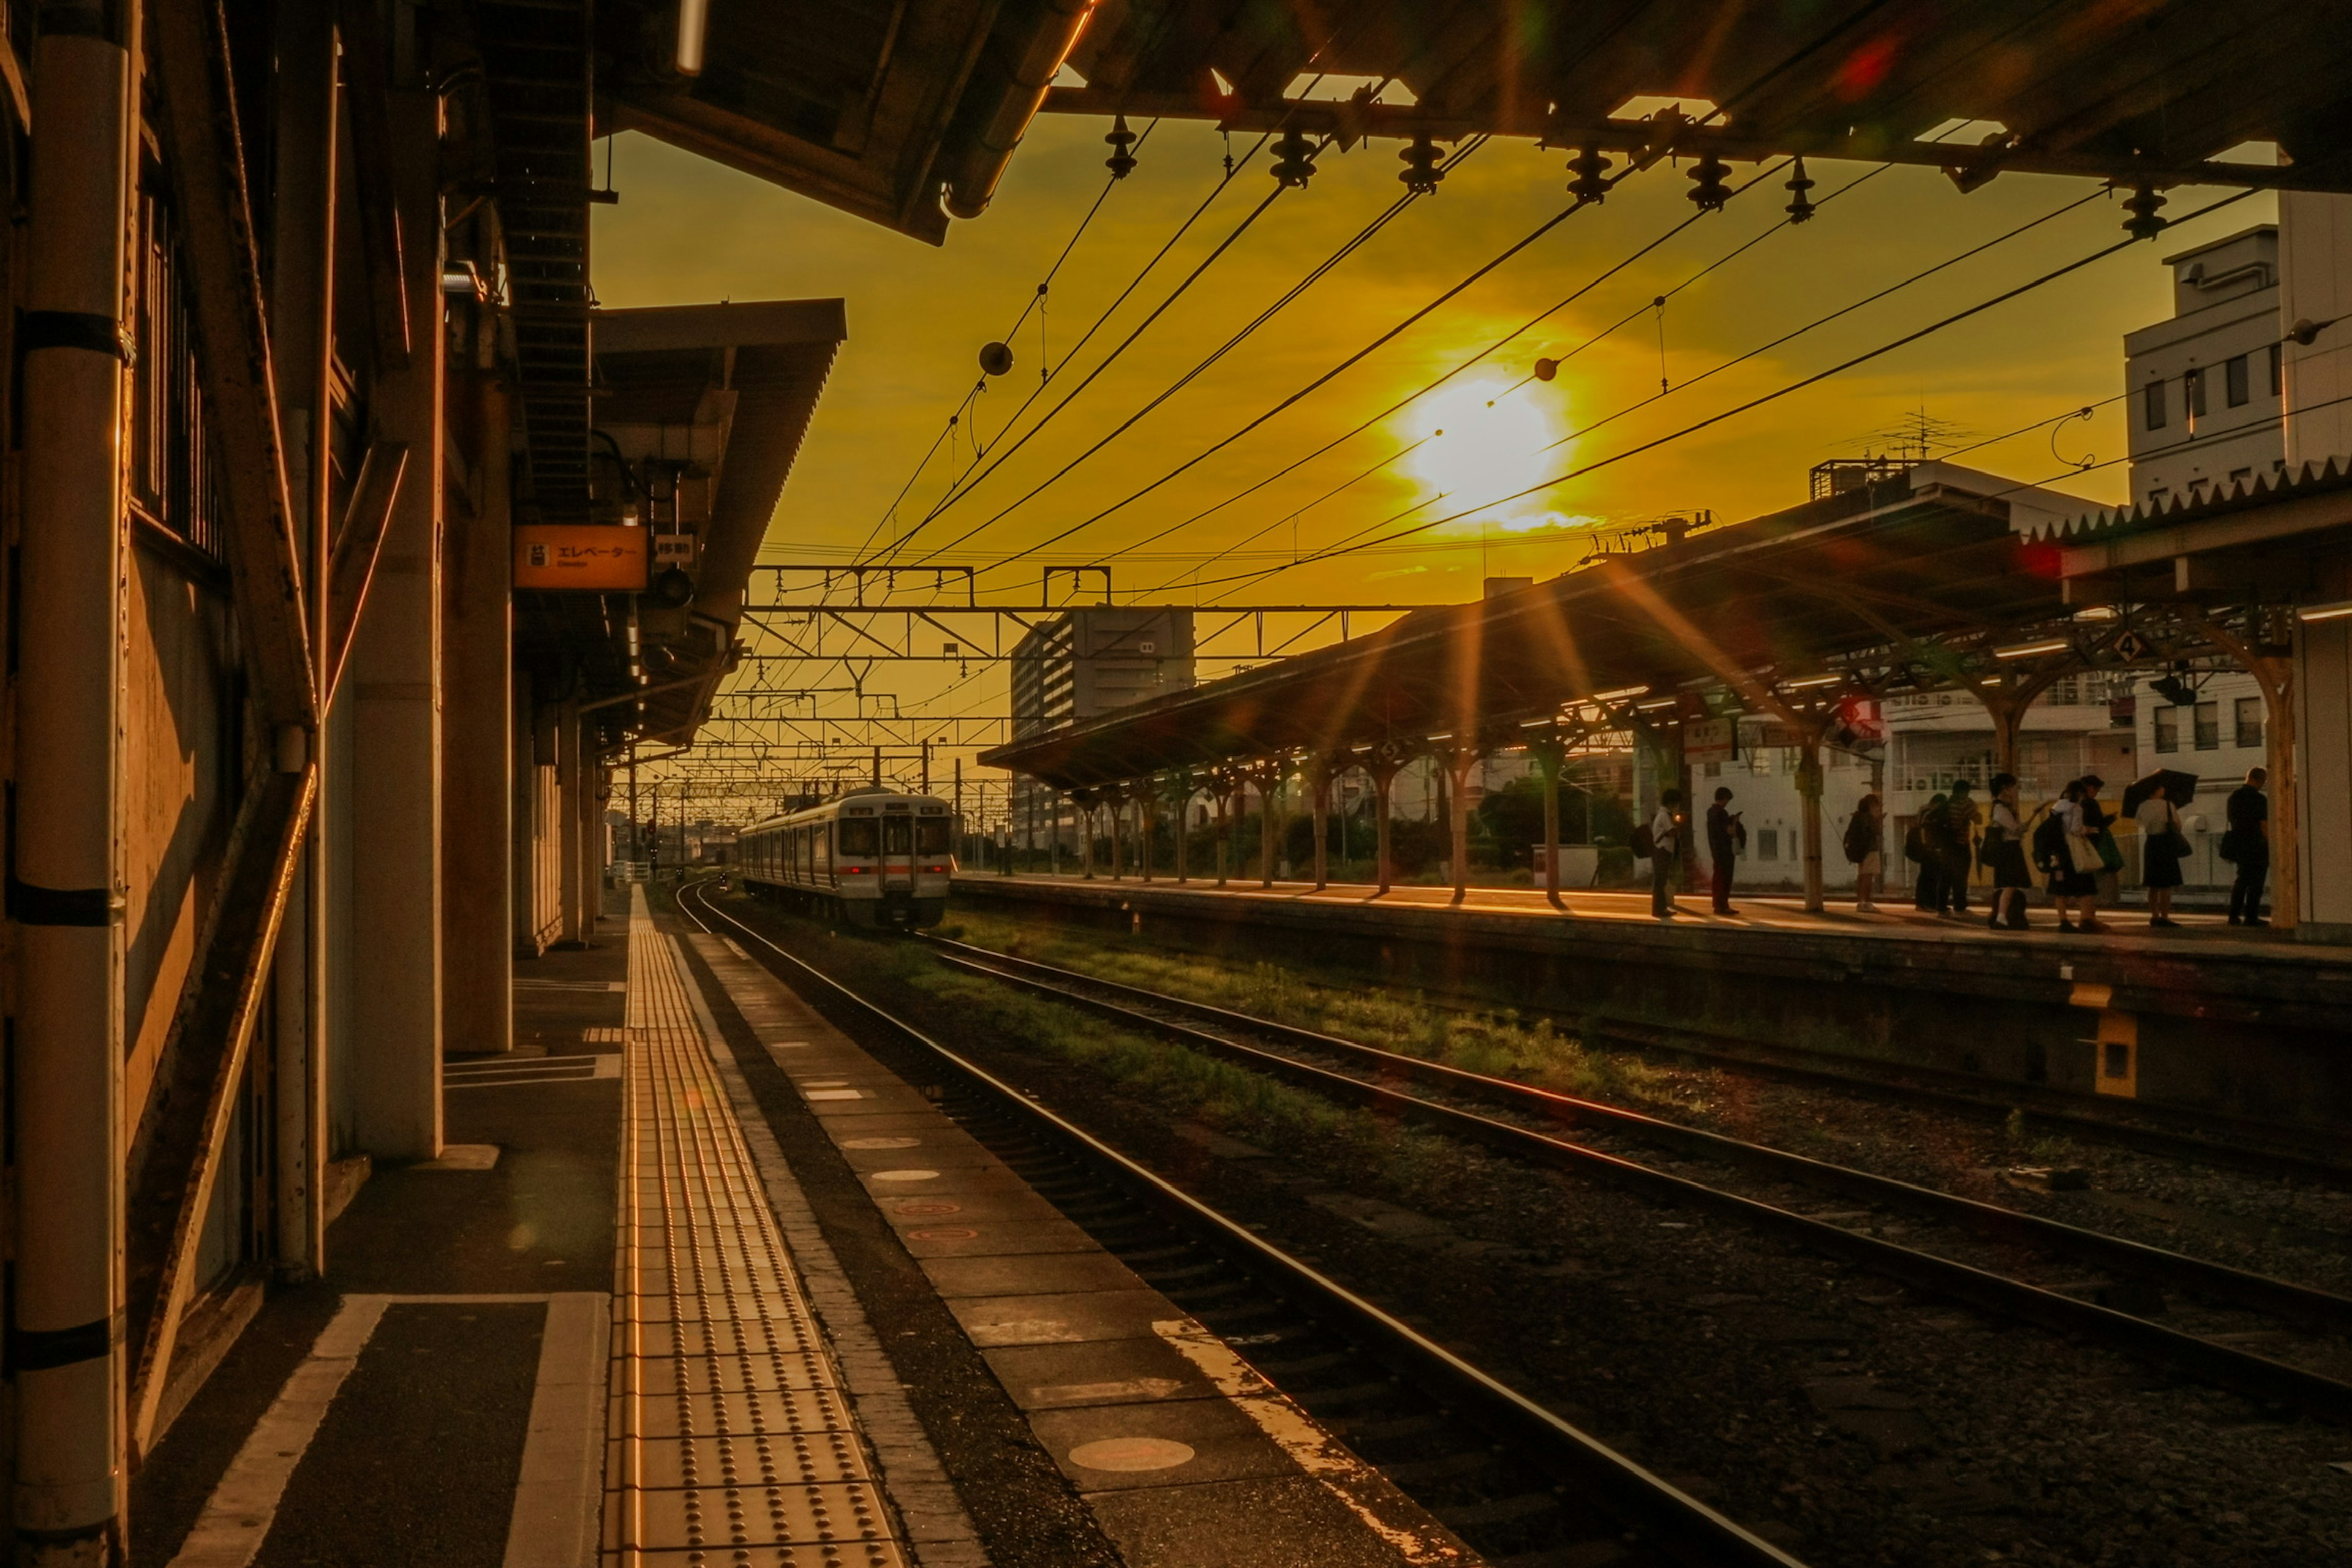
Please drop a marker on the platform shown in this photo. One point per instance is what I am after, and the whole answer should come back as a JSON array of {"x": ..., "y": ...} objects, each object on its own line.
[
  {"x": 2206, "y": 1017},
  {"x": 698, "y": 1281}
]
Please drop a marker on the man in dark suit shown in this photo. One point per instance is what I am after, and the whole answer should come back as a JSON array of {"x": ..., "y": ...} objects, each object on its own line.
[
  {"x": 1724, "y": 832},
  {"x": 2248, "y": 843}
]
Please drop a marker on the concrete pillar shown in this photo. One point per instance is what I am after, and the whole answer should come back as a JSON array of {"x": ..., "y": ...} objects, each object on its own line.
[
  {"x": 1808, "y": 802},
  {"x": 1318, "y": 785},
  {"x": 1549, "y": 758},
  {"x": 65, "y": 1337},
  {"x": 395, "y": 675},
  {"x": 301, "y": 345},
  {"x": 479, "y": 887},
  {"x": 1384, "y": 782},
  {"x": 575, "y": 882}
]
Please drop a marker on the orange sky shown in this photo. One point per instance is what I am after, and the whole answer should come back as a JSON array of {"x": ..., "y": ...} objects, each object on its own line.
[{"x": 687, "y": 230}]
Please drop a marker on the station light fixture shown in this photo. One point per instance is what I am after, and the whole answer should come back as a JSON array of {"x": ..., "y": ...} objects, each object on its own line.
[
  {"x": 693, "y": 34},
  {"x": 2339, "y": 610},
  {"x": 1811, "y": 681},
  {"x": 1661, "y": 703},
  {"x": 2027, "y": 649},
  {"x": 1619, "y": 694}
]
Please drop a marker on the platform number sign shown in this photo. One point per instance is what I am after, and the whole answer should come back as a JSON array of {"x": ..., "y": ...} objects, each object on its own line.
[{"x": 2131, "y": 645}]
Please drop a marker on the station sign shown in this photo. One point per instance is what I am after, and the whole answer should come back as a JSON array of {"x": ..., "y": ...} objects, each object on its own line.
[
  {"x": 603, "y": 558},
  {"x": 1710, "y": 741}
]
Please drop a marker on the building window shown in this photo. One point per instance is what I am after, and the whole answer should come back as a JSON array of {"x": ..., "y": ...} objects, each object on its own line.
[
  {"x": 2156, "y": 405},
  {"x": 2278, "y": 378},
  {"x": 2234, "y": 375},
  {"x": 2242, "y": 478},
  {"x": 1768, "y": 844},
  {"x": 2192, "y": 394},
  {"x": 2250, "y": 722},
  {"x": 2209, "y": 726},
  {"x": 2168, "y": 728}
]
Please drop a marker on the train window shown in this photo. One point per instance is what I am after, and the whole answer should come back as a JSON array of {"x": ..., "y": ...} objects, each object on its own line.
[
  {"x": 861, "y": 838},
  {"x": 932, "y": 836},
  {"x": 897, "y": 835}
]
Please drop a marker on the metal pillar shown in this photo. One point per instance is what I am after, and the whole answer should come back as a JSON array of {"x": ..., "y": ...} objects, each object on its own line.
[
  {"x": 301, "y": 316},
  {"x": 1317, "y": 778},
  {"x": 1809, "y": 798},
  {"x": 482, "y": 891},
  {"x": 66, "y": 1337},
  {"x": 395, "y": 670},
  {"x": 1458, "y": 768},
  {"x": 1383, "y": 780}
]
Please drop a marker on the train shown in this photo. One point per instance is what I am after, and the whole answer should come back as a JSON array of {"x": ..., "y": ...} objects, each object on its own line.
[{"x": 873, "y": 858}]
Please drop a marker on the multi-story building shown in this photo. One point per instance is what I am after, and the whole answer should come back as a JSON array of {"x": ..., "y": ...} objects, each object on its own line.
[
  {"x": 1083, "y": 663},
  {"x": 2204, "y": 386}
]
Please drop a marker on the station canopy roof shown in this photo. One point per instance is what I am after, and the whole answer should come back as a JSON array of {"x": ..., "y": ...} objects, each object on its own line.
[
  {"x": 2126, "y": 89},
  {"x": 1888, "y": 587}
]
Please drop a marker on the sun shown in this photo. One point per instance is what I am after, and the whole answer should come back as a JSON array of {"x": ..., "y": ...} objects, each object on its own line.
[{"x": 1484, "y": 441}]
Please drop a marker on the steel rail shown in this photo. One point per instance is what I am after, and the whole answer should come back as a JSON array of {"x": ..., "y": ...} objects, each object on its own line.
[
  {"x": 1685, "y": 1528},
  {"x": 2222, "y": 1365}
]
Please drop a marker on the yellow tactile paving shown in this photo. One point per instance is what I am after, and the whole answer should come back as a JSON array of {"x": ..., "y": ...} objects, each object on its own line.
[{"x": 732, "y": 1443}]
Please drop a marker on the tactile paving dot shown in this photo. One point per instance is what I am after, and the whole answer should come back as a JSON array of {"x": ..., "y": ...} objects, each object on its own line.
[{"x": 731, "y": 1440}]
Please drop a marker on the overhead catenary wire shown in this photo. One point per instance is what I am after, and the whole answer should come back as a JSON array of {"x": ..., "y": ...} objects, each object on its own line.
[
  {"x": 1036, "y": 301},
  {"x": 1314, "y": 275},
  {"x": 1754, "y": 403}
]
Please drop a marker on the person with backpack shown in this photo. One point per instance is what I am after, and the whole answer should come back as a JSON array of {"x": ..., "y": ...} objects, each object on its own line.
[
  {"x": 2003, "y": 854},
  {"x": 1666, "y": 848},
  {"x": 1954, "y": 844},
  {"x": 2075, "y": 856},
  {"x": 1920, "y": 847},
  {"x": 1865, "y": 850}
]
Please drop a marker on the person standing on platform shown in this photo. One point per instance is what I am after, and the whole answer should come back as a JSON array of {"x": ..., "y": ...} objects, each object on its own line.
[
  {"x": 1956, "y": 846},
  {"x": 2005, "y": 857},
  {"x": 2070, "y": 883},
  {"x": 2160, "y": 843},
  {"x": 2248, "y": 843},
  {"x": 1665, "y": 849},
  {"x": 1726, "y": 837},
  {"x": 1865, "y": 850},
  {"x": 1919, "y": 847}
]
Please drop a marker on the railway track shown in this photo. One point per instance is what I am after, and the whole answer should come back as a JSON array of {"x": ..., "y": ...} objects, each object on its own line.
[
  {"x": 2233, "y": 1142},
  {"x": 1369, "y": 1076},
  {"x": 1520, "y": 1485}
]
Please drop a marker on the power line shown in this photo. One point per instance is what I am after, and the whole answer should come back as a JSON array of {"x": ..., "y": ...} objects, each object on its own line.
[
  {"x": 1798, "y": 386},
  {"x": 1314, "y": 275}
]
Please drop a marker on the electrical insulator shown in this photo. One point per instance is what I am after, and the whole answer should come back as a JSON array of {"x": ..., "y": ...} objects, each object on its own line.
[
  {"x": 1294, "y": 162},
  {"x": 1421, "y": 171},
  {"x": 1121, "y": 163},
  {"x": 1591, "y": 168},
  {"x": 2144, "y": 223},
  {"x": 1801, "y": 205},
  {"x": 1708, "y": 188}
]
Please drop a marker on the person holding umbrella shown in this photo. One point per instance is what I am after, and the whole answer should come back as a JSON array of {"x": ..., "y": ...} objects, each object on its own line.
[{"x": 2155, "y": 802}]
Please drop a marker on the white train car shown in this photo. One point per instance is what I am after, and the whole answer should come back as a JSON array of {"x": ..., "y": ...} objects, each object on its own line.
[{"x": 874, "y": 857}]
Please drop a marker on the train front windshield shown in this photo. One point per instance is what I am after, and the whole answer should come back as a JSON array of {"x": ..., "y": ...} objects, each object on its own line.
[
  {"x": 897, "y": 835},
  {"x": 861, "y": 838},
  {"x": 932, "y": 836}
]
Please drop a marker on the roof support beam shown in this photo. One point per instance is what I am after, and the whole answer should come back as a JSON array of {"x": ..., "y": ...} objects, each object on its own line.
[{"x": 208, "y": 182}]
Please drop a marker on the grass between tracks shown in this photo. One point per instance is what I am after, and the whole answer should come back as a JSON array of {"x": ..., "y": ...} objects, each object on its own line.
[
  {"x": 1347, "y": 1143},
  {"x": 1499, "y": 1043}
]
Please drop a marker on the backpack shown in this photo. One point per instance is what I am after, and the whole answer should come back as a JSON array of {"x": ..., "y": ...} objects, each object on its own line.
[
  {"x": 2050, "y": 842},
  {"x": 1857, "y": 840},
  {"x": 1644, "y": 844},
  {"x": 1915, "y": 845}
]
